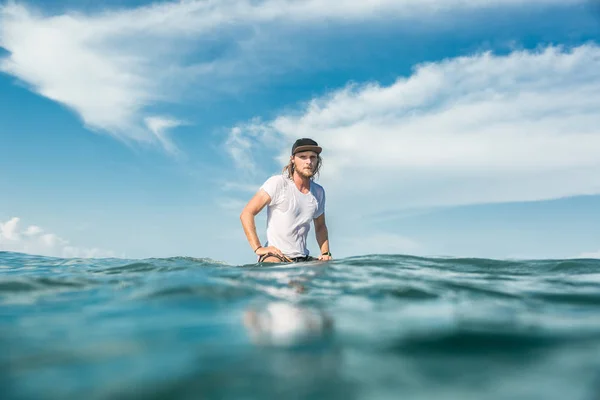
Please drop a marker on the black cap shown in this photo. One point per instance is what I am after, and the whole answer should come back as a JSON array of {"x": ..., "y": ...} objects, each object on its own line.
[{"x": 306, "y": 144}]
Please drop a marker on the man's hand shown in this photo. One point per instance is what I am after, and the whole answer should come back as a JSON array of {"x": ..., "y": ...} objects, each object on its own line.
[
  {"x": 325, "y": 257},
  {"x": 270, "y": 250}
]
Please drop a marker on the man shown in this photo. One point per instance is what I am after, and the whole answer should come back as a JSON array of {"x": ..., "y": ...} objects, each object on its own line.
[{"x": 293, "y": 200}]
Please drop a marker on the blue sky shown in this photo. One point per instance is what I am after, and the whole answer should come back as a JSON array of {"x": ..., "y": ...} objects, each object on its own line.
[{"x": 458, "y": 128}]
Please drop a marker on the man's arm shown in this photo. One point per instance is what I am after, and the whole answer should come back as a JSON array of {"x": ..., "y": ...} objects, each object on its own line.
[
  {"x": 254, "y": 206},
  {"x": 322, "y": 236}
]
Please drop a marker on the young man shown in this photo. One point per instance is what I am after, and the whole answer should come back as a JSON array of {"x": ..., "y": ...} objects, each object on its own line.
[{"x": 293, "y": 201}]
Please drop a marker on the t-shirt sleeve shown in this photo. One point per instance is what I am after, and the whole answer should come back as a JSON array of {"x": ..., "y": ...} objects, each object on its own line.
[
  {"x": 321, "y": 207},
  {"x": 274, "y": 188}
]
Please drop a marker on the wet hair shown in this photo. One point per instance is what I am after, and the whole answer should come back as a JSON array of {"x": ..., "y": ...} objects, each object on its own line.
[{"x": 289, "y": 169}]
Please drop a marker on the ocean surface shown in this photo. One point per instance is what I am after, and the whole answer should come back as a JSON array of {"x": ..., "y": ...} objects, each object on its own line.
[{"x": 372, "y": 327}]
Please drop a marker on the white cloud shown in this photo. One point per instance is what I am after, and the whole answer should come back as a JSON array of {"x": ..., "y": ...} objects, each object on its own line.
[
  {"x": 111, "y": 68},
  {"x": 589, "y": 255},
  {"x": 8, "y": 230},
  {"x": 32, "y": 230},
  {"x": 159, "y": 127},
  {"x": 33, "y": 240},
  {"x": 239, "y": 145},
  {"x": 483, "y": 128}
]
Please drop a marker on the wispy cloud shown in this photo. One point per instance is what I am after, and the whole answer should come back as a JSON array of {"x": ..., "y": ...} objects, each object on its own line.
[
  {"x": 113, "y": 68},
  {"x": 483, "y": 128},
  {"x": 159, "y": 127},
  {"x": 230, "y": 204},
  {"x": 374, "y": 243},
  {"x": 34, "y": 240},
  {"x": 240, "y": 187}
]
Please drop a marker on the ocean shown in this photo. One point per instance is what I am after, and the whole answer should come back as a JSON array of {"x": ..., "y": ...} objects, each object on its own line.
[{"x": 369, "y": 327}]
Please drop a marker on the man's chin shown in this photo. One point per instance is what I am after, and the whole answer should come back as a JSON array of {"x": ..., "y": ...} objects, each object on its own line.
[{"x": 305, "y": 174}]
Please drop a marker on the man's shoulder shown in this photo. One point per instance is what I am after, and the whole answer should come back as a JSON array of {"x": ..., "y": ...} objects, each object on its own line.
[
  {"x": 276, "y": 188},
  {"x": 275, "y": 182},
  {"x": 316, "y": 185},
  {"x": 317, "y": 188},
  {"x": 276, "y": 179}
]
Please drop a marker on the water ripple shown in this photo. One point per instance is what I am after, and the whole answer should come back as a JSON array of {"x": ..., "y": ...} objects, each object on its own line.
[{"x": 374, "y": 326}]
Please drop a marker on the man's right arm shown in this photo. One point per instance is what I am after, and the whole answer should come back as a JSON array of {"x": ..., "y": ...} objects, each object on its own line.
[{"x": 254, "y": 206}]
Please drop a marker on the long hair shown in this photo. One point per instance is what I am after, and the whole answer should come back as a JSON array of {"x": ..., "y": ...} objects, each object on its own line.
[{"x": 289, "y": 169}]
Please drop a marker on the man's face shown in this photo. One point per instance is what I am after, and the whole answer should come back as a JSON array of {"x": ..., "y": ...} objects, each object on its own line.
[{"x": 305, "y": 163}]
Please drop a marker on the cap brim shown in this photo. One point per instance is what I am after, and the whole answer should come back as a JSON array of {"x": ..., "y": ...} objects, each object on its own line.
[{"x": 316, "y": 149}]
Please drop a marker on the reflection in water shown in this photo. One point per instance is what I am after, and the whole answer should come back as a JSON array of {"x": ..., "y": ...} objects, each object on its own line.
[
  {"x": 295, "y": 348},
  {"x": 295, "y": 353},
  {"x": 285, "y": 324}
]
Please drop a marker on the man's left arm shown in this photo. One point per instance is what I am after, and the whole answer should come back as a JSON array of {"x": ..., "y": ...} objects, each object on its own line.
[{"x": 322, "y": 237}]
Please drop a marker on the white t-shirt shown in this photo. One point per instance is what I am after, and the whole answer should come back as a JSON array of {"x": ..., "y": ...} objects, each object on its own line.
[{"x": 290, "y": 213}]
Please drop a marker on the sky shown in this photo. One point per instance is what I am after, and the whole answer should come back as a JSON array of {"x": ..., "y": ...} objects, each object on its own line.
[{"x": 460, "y": 128}]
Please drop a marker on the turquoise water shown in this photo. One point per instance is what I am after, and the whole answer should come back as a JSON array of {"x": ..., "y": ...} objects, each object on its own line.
[{"x": 373, "y": 327}]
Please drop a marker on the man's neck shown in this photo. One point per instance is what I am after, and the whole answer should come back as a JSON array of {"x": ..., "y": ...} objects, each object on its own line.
[{"x": 302, "y": 183}]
